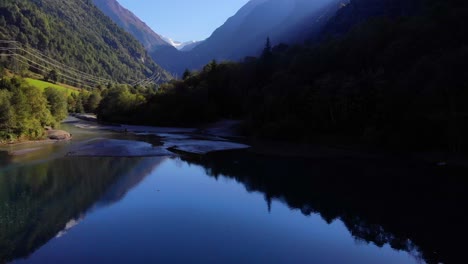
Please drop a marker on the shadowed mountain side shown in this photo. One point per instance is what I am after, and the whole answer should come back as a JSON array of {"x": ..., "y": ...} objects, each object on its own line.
[
  {"x": 129, "y": 181},
  {"x": 244, "y": 34},
  {"x": 411, "y": 207},
  {"x": 58, "y": 194},
  {"x": 171, "y": 59},
  {"x": 163, "y": 53},
  {"x": 191, "y": 46},
  {"x": 131, "y": 23},
  {"x": 359, "y": 11},
  {"x": 306, "y": 24}
]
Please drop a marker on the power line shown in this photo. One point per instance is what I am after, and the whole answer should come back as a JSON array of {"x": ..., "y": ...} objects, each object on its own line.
[
  {"x": 42, "y": 68},
  {"x": 45, "y": 65},
  {"x": 43, "y": 62},
  {"x": 61, "y": 67}
]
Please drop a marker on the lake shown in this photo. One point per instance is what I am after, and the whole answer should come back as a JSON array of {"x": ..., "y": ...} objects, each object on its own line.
[{"x": 227, "y": 207}]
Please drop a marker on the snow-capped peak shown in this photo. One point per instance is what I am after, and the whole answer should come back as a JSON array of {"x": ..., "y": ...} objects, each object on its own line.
[{"x": 177, "y": 44}]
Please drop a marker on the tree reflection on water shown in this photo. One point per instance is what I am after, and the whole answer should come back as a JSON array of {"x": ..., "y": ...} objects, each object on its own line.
[{"x": 418, "y": 208}]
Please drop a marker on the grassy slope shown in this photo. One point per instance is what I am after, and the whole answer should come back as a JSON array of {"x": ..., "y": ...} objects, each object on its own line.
[{"x": 42, "y": 85}]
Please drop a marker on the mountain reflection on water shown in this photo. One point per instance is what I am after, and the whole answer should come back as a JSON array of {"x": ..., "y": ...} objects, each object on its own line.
[
  {"x": 419, "y": 209},
  {"x": 40, "y": 201}
]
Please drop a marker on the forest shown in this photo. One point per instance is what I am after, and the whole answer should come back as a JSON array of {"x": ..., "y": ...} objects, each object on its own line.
[{"x": 391, "y": 83}]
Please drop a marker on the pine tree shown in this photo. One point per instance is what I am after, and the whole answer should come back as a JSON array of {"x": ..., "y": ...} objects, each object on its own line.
[
  {"x": 266, "y": 54},
  {"x": 187, "y": 74}
]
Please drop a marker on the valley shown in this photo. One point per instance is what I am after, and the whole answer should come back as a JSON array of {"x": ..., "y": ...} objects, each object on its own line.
[{"x": 327, "y": 131}]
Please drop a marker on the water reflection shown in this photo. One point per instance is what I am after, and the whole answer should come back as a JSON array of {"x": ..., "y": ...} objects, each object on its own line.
[
  {"x": 420, "y": 209},
  {"x": 414, "y": 208},
  {"x": 125, "y": 183},
  {"x": 41, "y": 201}
]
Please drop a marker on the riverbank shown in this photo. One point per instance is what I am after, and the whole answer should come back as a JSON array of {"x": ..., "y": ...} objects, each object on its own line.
[
  {"x": 343, "y": 151},
  {"x": 143, "y": 141},
  {"x": 229, "y": 130},
  {"x": 52, "y": 136},
  {"x": 101, "y": 140},
  {"x": 35, "y": 149}
]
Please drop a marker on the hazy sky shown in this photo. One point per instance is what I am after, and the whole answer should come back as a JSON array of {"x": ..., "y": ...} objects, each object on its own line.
[{"x": 184, "y": 20}]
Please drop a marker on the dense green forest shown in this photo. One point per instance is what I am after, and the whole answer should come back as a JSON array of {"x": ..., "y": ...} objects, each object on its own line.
[
  {"x": 25, "y": 110},
  {"x": 78, "y": 35},
  {"x": 389, "y": 82}
]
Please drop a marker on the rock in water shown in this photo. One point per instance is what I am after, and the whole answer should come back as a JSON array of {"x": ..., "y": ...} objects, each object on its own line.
[{"x": 58, "y": 135}]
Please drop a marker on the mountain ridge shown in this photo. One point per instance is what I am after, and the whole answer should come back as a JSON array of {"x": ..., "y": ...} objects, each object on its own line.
[
  {"x": 160, "y": 50},
  {"x": 131, "y": 23}
]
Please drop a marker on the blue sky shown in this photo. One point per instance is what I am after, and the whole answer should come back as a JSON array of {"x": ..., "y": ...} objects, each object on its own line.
[{"x": 184, "y": 20}]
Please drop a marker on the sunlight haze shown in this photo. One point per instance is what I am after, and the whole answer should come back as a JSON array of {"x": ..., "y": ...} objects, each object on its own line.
[{"x": 184, "y": 20}]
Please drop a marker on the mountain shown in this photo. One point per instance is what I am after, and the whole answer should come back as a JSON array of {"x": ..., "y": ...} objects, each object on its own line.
[
  {"x": 183, "y": 46},
  {"x": 161, "y": 50},
  {"x": 244, "y": 34},
  {"x": 131, "y": 23},
  {"x": 79, "y": 35},
  {"x": 396, "y": 80},
  {"x": 359, "y": 11},
  {"x": 188, "y": 46}
]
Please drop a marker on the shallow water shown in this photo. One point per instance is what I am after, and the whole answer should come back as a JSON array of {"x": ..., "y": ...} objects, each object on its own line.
[{"x": 233, "y": 207}]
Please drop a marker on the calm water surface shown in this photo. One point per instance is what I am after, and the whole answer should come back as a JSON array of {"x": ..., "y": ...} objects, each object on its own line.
[{"x": 228, "y": 208}]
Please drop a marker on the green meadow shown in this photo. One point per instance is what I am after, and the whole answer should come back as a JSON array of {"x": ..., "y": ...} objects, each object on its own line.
[{"x": 42, "y": 85}]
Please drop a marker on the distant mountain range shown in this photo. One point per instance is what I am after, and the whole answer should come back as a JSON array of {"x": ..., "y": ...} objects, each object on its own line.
[
  {"x": 245, "y": 33},
  {"x": 139, "y": 29},
  {"x": 191, "y": 45},
  {"x": 182, "y": 46},
  {"x": 162, "y": 52}
]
